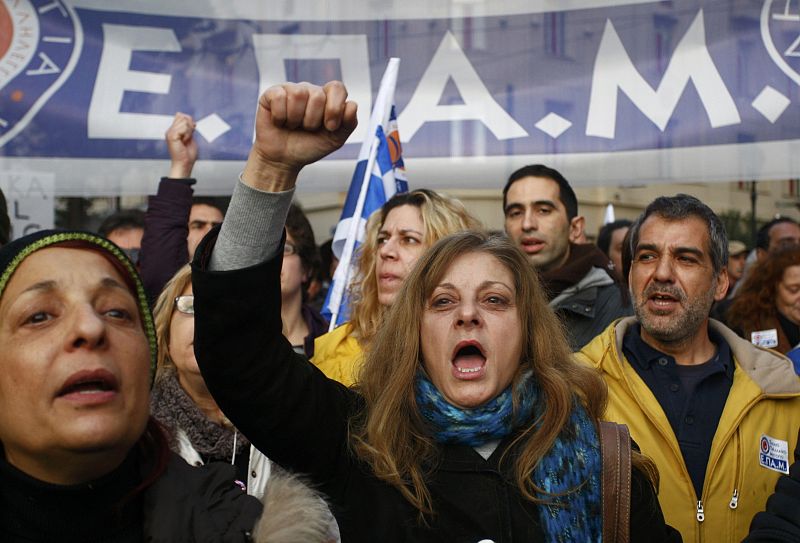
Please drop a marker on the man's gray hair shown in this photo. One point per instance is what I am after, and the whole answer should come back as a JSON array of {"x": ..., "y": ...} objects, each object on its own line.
[{"x": 682, "y": 206}]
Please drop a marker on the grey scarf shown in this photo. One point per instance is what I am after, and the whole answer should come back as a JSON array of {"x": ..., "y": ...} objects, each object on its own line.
[{"x": 175, "y": 410}]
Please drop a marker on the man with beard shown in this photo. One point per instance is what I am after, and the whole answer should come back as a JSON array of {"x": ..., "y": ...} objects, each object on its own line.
[
  {"x": 541, "y": 217},
  {"x": 717, "y": 415}
]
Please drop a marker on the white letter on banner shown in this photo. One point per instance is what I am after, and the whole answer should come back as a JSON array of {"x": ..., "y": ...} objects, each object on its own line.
[
  {"x": 272, "y": 50},
  {"x": 114, "y": 78},
  {"x": 448, "y": 62},
  {"x": 614, "y": 70}
]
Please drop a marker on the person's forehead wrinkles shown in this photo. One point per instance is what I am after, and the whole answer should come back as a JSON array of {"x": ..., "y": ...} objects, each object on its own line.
[
  {"x": 670, "y": 248},
  {"x": 50, "y": 285}
]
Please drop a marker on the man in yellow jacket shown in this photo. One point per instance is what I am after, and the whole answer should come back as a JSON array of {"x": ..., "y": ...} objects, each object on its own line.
[{"x": 717, "y": 415}]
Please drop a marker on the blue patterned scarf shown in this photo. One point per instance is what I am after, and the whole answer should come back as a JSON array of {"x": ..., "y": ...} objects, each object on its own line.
[{"x": 574, "y": 460}]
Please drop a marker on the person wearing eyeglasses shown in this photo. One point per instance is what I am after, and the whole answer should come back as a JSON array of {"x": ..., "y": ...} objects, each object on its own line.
[
  {"x": 302, "y": 324},
  {"x": 197, "y": 429},
  {"x": 199, "y": 432}
]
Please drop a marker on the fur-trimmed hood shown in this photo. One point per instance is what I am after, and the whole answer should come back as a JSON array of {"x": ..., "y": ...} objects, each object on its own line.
[{"x": 294, "y": 513}]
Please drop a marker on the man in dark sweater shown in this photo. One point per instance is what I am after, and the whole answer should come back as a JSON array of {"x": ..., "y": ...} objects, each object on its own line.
[{"x": 541, "y": 213}]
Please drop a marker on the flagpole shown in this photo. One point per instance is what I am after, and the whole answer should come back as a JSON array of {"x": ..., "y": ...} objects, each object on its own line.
[
  {"x": 389, "y": 76},
  {"x": 350, "y": 241}
]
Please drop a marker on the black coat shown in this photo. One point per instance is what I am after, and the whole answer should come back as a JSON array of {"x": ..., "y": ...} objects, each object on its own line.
[
  {"x": 185, "y": 504},
  {"x": 198, "y": 505},
  {"x": 299, "y": 418}
]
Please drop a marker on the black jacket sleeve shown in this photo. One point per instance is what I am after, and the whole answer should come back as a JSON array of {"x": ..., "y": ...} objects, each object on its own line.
[
  {"x": 286, "y": 407},
  {"x": 647, "y": 519},
  {"x": 166, "y": 226},
  {"x": 199, "y": 504},
  {"x": 781, "y": 520}
]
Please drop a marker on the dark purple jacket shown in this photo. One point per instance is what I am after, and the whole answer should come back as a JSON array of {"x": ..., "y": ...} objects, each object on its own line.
[{"x": 166, "y": 226}]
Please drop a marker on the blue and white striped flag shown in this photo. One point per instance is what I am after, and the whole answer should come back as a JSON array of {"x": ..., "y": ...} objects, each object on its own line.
[{"x": 379, "y": 175}]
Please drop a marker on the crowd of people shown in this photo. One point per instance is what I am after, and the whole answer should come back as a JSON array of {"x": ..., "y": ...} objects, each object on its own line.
[{"x": 172, "y": 379}]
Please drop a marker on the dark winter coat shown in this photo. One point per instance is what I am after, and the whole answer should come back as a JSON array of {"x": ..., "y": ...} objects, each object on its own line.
[
  {"x": 184, "y": 505},
  {"x": 198, "y": 504}
]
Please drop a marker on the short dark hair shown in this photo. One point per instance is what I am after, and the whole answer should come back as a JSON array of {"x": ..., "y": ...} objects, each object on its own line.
[
  {"x": 218, "y": 202},
  {"x": 682, "y": 206},
  {"x": 762, "y": 237},
  {"x": 299, "y": 228},
  {"x": 607, "y": 230},
  {"x": 123, "y": 219},
  {"x": 565, "y": 192}
]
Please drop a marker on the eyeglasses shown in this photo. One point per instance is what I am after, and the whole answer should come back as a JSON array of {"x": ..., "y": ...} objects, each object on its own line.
[
  {"x": 185, "y": 304},
  {"x": 289, "y": 249}
]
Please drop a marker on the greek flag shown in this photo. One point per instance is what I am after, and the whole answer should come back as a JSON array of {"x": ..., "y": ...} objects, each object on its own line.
[{"x": 379, "y": 175}]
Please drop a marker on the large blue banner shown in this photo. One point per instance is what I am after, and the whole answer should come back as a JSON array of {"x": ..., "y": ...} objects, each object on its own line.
[{"x": 612, "y": 92}]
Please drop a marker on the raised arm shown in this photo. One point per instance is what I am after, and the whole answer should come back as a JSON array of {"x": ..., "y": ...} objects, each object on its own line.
[
  {"x": 296, "y": 125},
  {"x": 283, "y": 404},
  {"x": 164, "y": 248},
  {"x": 181, "y": 146}
]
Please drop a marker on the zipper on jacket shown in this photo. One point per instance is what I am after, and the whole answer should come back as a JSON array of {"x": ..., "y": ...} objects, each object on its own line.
[
  {"x": 701, "y": 516},
  {"x": 735, "y": 499},
  {"x": 233, "y": 453},
  {"x": 738, "y": 480}
]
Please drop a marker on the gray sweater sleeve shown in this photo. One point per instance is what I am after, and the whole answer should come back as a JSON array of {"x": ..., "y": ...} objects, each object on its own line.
[{"x": 252, "y": 229}]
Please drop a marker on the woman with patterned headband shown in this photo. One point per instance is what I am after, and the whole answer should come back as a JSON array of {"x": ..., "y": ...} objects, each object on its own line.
[{"x": 81, "y": 458}]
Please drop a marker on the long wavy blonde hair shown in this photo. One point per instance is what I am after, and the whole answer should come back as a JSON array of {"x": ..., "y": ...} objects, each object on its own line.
[
  {"x": 390, "y": 434},
  {"x": 441, "y": 216},
  {"x": 162, "y": 314}
]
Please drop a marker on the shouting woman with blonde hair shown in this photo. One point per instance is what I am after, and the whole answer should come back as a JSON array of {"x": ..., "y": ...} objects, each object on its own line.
[{"x": 471, "y": 420}]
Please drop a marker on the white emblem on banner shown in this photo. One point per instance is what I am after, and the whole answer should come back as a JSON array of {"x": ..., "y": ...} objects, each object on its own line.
[
  {"x": 774, "y": 454},
  {"x": 39, "y": 47},
  {"x": 765, "y": 338}
]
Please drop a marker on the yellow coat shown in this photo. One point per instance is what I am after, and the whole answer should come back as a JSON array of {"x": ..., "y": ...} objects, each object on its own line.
[
  {"x": 764, "y": 400},
  {"x": 338, "y": 355}
]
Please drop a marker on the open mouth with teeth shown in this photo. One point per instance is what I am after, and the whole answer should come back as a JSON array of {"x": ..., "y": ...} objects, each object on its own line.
[
  {"x": 530, "y": 245},
  {"x": 663, "y": 299},
  {"x": 468, "y": 359}
]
